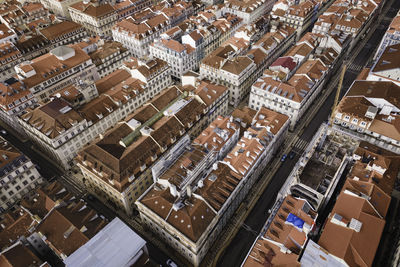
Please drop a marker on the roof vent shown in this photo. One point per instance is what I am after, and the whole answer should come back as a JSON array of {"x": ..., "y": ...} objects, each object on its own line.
[{"x": 355, "y": 225}]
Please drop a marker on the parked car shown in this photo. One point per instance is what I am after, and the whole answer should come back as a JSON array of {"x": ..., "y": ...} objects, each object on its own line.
[
  {"x": 291, "y": 155},
  {"x": 170, "y": 263},
  {"x": 283, "y": 157},
  {"x": 3, "y": 132}
]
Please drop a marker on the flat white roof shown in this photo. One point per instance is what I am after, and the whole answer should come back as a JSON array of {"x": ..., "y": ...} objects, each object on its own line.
[{"x": 115, "y": 245}]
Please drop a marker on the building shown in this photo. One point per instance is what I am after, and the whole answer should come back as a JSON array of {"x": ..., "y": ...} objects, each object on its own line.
[
  {"x": 14, "y": 99},
  {"x": 59, "y": 8},
  {"x": 18, "y": 175},
  {"x": 220, "y": 136},
  {"x": 7, "y": 34},
  {"x": 386, "y": 66},
  {"x": 128, "y": 8},
  {"x": 351, "y": 19},
  {"x": 391, "y": 37},
  {"x": 63, "y": 33},
  {"x": 358, "y": 216},
  {"x": 296, "y": 14},
  {"x": 195, "y": 187},
  {"x": 284, "y": 235},
  {"x": 78, "y": 114},
  {"x": 68, "y": 226},
  {"x": 59, "y": 68},
  {"x": 124, "y": 248},
  {"x": 368, "y": 111},
  {"x": 97, "y": 18},
  {"x": 181, "y": 57},
  {"x": 294, "y": 80},
  {"x": 10, "y": 56},
  {"x": 235, "y": 72},
  {"x": 294, "y": 97},
  {"x": 137, "y": 37},
  {"x": 118, "y": 166},
  {"x": 108, "y": 56},
  {"x": 137, "y": 32},
  {"x": 249, "y": 11},
  {"x": 20, "y": 255},
  {"x": 21, "y": 16}
]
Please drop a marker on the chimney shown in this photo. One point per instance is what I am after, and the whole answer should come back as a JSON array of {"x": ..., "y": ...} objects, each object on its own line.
[
  {"x": 69, "y": 231},
  {"x": 189, "y": 191}
]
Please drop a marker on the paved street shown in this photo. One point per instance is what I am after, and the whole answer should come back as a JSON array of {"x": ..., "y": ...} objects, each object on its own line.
[{"x": 241, "y": 243}]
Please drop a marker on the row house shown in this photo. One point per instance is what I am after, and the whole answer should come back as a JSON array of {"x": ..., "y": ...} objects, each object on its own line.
[
  {"x": 369, "y": 111},
  {"x": 9, "y": 57},
  {"x": 118, "y": 166},
  {"x": 386, "y": 66},
  {"x": 14, "y": 99},
  {"x": 294, "y": 96},
  {"x": 357, "y": 230},
  {"x": 17, "y": 16},
  {"x": 293, "y": 81},
  {"x": 235, "y": 72},
  {"x": 59, "y": 68},
  {"x": 249, "y": 11},
  {"x": 18, "y": 175},
  {"x": 297, "y": 14},
  {"x": 60, "y": 8},
  {"x": 63, "y": 33},
  {"x": 139, "y": 31},
  {"x": 193, "y": 199},
  {"x": 108, "y": 56},
  {"x": 98, "y": 19},
  {"x": 128, "y": 8},
  {"x": 75, "y": 239},
  {"x": 181, "y": 57},
  {"x": 7, "y": 34},
  {"x": 284, "y": 235},
  {"x": 348, "y": 18},
  {"x": 61, "y": 128},
  {"x": 137, "y": 36},
  {"x": 391, "y": 37}
]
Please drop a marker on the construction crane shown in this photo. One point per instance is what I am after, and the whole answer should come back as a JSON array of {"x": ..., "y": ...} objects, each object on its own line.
[{"x": 339, "y": 88}]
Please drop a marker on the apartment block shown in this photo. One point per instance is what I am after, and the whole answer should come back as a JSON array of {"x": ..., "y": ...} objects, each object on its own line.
[
  {"x": 14, "y": 99},
  {"x": 126, "y": 8},
  {"x": 293, "y": 81},
  {"x": 63, "y": 33},
  {"x": 181, "y": 57},
  {"x": 353, "y": 229},
  {"x": 391, "y": 37},
  {"x": 18, "y": 175},
  {"x": 10, "y": 56},
  {"x": 351, "y": 19},
  {"x": 386, "y": 66},
  {"x": 296, "y": 14},
  {"x": 18, "y": 16},
  {"x": 249, "y": 11},
  {"x": 284, "y": 235},
  {"x": 124, "y": 246},
  {"x": 7, "y": 34},
  {"x": 118, "y": 166},
  {"x": 108, "y": 56},
  {"x": 78, "y": 114},
  {"x": 59, "y": 68},
  {"x": 59, "y": 8},
  {"x": 368, "y": 111},
  {"x": 97, "y": 18},
  {"x": 195, "y": 195}
]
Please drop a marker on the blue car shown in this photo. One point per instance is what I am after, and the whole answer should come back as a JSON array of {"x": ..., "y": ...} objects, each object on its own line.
[{"x": 283, "y": 157}]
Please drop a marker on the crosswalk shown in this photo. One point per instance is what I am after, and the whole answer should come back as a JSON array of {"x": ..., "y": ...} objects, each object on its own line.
[
  {"x": 354, "y": 67},
  {"x": 301, "y": 144}
]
